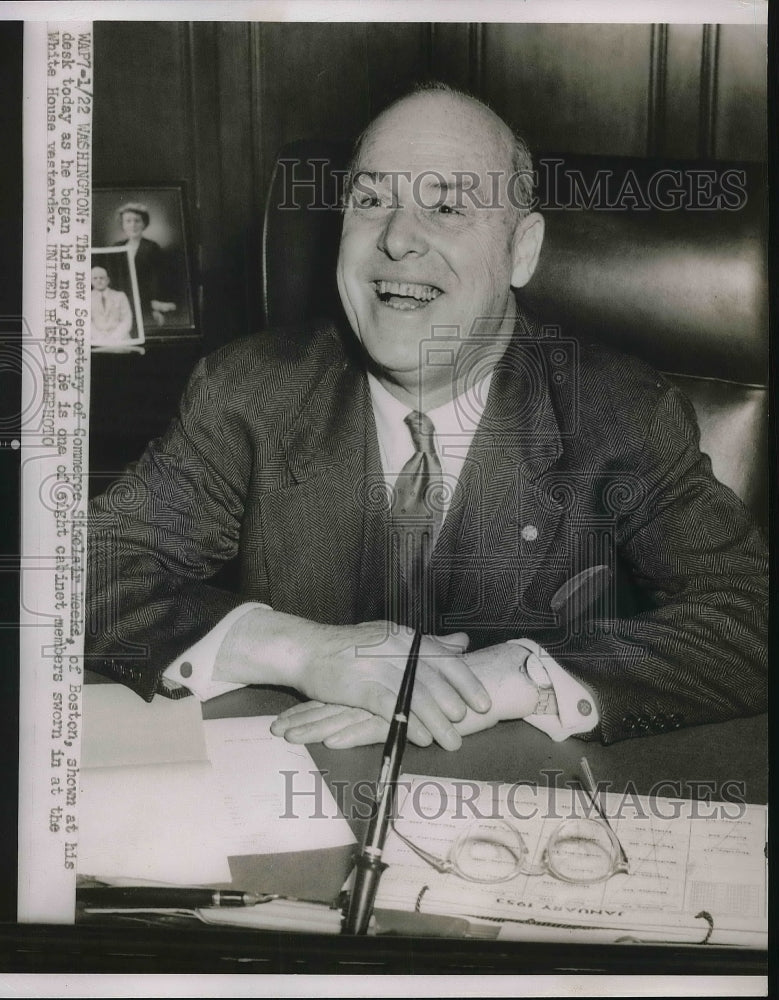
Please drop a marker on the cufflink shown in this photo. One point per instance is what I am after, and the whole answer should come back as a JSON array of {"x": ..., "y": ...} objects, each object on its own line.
[
  {"x": 185, "y": 669},
  {"x": 584, "y": 707}
]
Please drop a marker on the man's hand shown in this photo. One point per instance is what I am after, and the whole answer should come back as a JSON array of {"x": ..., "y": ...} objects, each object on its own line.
[
  {"x": 357, "y": 667},
  {"x": 159, "y": 309},
  {"x": 512, "y": 693}
]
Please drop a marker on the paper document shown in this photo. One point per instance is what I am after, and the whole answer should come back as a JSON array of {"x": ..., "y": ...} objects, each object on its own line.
[
  {"x": 167, "y": 798},
  {"x": 275, "y": 799},
  {"x": 149, "y": 807},
  {"x": 685, "y": 859},
  {"x": 123, "y": 729},
  {"x": 156, "y": 822}
]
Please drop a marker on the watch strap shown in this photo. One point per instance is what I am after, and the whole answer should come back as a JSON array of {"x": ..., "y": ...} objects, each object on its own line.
[{"x": 538, "y": 674}]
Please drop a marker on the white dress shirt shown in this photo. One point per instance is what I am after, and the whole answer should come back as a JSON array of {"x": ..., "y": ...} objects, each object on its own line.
[{"x": 455, "y": 424}]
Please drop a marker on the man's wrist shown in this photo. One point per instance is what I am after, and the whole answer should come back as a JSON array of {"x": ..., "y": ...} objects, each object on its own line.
[
  {"x": 194, "y": 669},
  {"x": 538, "y": 675},
  {"x": 574, "y": 709},
  {"x": 500, "y": 669},
  {"x": 547, "y": 702},
  {"x": 261, "y": 648}
]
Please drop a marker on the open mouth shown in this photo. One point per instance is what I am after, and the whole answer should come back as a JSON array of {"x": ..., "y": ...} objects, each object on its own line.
[{"x": 405, "y": 294}]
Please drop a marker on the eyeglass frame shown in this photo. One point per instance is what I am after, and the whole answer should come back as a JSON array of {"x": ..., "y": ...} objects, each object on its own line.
[{"x": 446, "y": 866}]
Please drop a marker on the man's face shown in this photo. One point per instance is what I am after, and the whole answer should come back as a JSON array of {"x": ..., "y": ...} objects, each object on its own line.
[
  {"x": 417, "y": 251},
  {"x": 132, "y": 224},
  {"x": 99, "y": 279}
]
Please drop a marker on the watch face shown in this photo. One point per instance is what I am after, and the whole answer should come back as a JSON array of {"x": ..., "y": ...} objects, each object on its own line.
[
  {"x": 547, "y": 702},
  {"x": 537, "y": 672}
]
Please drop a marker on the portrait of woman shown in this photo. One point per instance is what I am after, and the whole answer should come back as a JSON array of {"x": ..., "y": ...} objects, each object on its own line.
[
  {"x": 149, "y": 223},
  {"x": 150, "y": 263}
]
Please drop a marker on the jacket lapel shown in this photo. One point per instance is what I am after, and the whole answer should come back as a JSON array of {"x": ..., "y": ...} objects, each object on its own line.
[
  {"x": 323, "y": 528},
  {"x": 503, "y": 524}
]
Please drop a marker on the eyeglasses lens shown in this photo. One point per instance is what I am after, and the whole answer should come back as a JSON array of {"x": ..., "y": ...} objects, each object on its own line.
[
  {"x": 582, "y": 850},
  {"x": 489, "y": 851}
]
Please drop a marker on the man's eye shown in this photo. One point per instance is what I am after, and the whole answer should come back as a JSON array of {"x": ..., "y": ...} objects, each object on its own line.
[
  {"x": 362, "y": 199},
  {"x": 449, "y": 210}
]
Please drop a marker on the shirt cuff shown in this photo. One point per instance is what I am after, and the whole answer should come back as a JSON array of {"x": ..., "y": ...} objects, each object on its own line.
[
  {"x": 194, "y": 669},
  {"x": 576, "y": 709}
]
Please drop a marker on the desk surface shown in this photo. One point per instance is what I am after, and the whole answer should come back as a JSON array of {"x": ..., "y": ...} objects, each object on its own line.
[
  {"x": 707, "y": 755},
  {"x": 692, "y": 763}
]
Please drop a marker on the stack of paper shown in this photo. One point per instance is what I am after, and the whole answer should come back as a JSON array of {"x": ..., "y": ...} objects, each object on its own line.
[
  {"x": 694, "y": 866},
  {"x": 274, "y": 798},
  {"x": 167, "y": 798},
  {"x": 149, "y": 806}
]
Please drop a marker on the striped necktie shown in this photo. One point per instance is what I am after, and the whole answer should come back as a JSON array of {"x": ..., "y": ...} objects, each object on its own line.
[{"x": 417, "y": 514}]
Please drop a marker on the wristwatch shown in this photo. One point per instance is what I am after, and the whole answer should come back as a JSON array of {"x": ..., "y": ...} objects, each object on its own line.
[{"x": 537, "y": 673}]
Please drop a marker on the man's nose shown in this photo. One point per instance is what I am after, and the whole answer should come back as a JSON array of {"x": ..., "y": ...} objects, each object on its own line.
[{"x": 402, "y": 234}]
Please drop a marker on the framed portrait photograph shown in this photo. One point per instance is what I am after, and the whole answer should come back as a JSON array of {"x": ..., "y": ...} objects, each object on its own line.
[
  {"x": 116, "y": 318},
  {"x": 150, "y": 223}
]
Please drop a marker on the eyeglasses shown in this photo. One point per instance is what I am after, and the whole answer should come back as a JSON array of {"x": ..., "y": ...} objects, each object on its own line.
[{"x": 579, "y": 851}]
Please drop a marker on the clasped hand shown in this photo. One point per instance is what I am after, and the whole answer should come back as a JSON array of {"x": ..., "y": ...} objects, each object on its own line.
[
  {"x": 351, "y": 675},
  {"x": 512, "y": 694},
  {"x": 359, "y": 668}
]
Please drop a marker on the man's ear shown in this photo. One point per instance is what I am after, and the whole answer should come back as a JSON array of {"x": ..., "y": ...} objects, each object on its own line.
[{"x": 525, "y": 248}]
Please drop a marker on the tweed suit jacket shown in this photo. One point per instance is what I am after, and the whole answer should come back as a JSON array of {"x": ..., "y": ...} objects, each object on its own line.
[{"x": 582, "y": 457}]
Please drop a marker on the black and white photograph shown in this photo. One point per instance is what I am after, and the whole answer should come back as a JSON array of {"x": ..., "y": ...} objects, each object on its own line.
[
  {"x": 116, "y": 319},
  {"x": 149, "y": 223},
  {"x": 409, "y": 515}
]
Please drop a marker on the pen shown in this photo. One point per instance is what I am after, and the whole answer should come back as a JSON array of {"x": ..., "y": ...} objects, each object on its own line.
[
  {"x": 368, "y": 865},
  {"x": 592, "y": 790},
  {"x": 163, "y": 898}
]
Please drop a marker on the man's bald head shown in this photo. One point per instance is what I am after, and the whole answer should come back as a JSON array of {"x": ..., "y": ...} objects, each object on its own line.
[
  {"x": 432, "y": 102},
  {"x": 100, "y": 278},
  {"x": 436, "y": 231}
]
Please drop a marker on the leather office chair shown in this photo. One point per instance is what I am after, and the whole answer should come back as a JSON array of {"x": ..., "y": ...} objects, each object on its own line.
[{"x": 685, "y": 289}]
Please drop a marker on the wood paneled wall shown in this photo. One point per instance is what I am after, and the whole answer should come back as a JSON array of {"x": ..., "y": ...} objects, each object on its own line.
[{"x": 210, "y": 104}]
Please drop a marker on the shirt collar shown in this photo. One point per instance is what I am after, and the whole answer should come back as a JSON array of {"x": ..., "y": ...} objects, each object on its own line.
[
  {"x": 455, "y": 424},
  {"x": 460, "y": 415}
]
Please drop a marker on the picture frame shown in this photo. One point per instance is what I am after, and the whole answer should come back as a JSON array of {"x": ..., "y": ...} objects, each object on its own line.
[
  {"x": 153, "y": 218},
  {"x": 116, "y": 314}
]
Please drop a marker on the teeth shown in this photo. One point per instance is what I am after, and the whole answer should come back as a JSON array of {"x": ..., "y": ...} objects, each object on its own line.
[{"x": 408, "y": 289}]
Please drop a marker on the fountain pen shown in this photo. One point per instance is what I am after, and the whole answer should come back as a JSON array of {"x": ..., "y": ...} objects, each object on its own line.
[
  {"x": 147, "y": 897},
  {"x": 368, "y": 865}
]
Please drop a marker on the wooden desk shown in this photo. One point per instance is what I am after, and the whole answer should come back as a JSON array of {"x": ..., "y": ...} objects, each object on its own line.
[
  {"x": 510, "y": 752},
  {"x": 700, "y": 761}
]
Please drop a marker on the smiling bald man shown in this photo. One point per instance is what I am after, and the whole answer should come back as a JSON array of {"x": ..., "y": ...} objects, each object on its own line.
[{"x": 315, "y": 460}]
